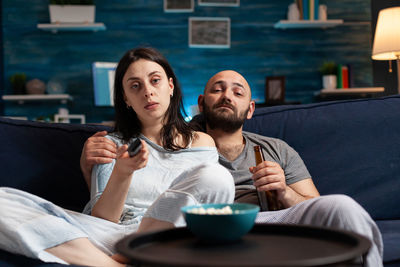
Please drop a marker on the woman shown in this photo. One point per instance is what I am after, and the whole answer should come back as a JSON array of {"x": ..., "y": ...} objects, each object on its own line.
[{"x": 175, "y": 167}]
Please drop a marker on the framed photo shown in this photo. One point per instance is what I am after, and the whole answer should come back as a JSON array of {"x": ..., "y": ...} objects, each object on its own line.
[
  {"x": 178, "y": 5},
  {"x": 209, "y": 32},
  {"x": 219, "y": 2},
  {"x": 275, "y": 90},
  {"x": 103, "y": 83}
]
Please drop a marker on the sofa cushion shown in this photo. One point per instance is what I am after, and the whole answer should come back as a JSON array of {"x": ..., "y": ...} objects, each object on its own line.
[
  {"x": 13, "y": 260},
  {"x": 43, "y": 159},
  {"x": 350, "y": 147},
  {"x": 390, "y": 230}
]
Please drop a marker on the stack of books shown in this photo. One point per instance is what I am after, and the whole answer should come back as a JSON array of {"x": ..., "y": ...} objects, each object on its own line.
[
  {"x": 308, "y": 9},
  {"x": 344, "y": 76}
]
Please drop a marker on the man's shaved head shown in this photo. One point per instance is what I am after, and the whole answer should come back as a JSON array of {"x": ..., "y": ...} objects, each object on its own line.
[{"x": 228, "y": 75}]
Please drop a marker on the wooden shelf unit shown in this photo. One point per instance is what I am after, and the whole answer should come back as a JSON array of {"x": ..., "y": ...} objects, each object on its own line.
[
  {"x": 298, "y": 24},
  {"x": 63, "y": 98},
  {"x": 55, "y": 27}
]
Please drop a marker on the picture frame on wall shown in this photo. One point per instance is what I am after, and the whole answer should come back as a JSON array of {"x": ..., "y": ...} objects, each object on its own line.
[
  {"x": 103, "y": 83},
  {"x": 219, "y": 3},
  {"x": 209, "y": 32},
  {"x": 178, "y": 6},
  {"x": 275, "y": 89}
]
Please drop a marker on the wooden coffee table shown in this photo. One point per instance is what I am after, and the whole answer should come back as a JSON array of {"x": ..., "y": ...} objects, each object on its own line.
[{"x": 264, "y": 245}]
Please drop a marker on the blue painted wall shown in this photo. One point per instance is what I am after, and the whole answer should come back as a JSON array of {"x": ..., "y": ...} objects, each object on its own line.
[{"x": 257, "y": 49}]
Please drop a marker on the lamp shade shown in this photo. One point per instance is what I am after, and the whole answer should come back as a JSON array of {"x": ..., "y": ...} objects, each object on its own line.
[{"x": 387, "y": 35}]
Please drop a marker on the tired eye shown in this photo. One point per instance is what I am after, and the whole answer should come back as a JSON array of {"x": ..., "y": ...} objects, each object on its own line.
[
  {"x": 216, "y": 89},
  {"x": 238, "y": 91},
  {"x": 156, "y": 80},
  {"x": 135, "y": 86}
]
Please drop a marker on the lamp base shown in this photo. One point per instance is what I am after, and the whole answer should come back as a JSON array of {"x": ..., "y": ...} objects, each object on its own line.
[{"x": 398, "y": 74}]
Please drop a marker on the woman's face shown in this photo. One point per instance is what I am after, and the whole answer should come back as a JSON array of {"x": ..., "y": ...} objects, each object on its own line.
[{"x": 147, "y": 90}]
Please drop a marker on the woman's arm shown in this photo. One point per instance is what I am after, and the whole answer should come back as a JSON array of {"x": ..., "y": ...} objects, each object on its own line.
[{"x": 111, "y": 203}]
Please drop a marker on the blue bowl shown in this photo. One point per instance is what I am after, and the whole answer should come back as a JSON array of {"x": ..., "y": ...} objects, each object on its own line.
[{"x": 222, "y": 227}]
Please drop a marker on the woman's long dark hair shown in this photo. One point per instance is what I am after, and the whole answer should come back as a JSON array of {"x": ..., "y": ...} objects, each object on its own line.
[{"x": 126, "y": 120}]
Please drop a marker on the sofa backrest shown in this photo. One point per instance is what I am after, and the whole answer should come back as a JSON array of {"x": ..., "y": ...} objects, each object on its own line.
[
  {"x": 43, "y": 159},
  {"x": 350, "y": 147}
]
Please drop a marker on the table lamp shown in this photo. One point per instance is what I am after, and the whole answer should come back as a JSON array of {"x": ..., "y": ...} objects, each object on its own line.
[{"x": 387, "y": 38}]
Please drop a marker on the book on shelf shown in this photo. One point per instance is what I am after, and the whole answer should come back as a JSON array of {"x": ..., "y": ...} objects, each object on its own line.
[
  {"x": 311, "y": 6},
  {"x": 344, "y": 76},
  {"x": 339, "y": 76},
  {"x": 316, "y": 9},
  {"x": 308, "y": 9},
  {"x": 351, "y": 75},
  {"x": 299, "y": 4}
]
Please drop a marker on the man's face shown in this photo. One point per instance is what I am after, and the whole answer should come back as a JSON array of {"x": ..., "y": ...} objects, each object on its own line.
[{"x": 226, "y": 102}]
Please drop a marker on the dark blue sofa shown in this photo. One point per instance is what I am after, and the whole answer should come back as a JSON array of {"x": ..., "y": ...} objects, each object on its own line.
[{"x": 350, "y": 147}]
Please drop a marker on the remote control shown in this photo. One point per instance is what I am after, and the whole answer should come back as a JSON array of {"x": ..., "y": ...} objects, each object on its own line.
[{"x": 134, "y": 147}]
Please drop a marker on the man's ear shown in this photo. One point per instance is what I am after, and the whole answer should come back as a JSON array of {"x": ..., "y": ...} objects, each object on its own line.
[
  {"x": 251, "y": 109},
  {"x": 200, "y": 102}
]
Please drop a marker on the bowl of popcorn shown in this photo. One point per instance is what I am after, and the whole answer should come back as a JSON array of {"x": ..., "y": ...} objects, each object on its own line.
[{"x": 220, "y": 222}]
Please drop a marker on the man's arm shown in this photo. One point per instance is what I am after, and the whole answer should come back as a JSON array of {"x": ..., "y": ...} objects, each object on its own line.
[
  {"x": 300, "y": 191},
  {"x": 97, "y": 150},
  {"x": 269, "y": 175}
]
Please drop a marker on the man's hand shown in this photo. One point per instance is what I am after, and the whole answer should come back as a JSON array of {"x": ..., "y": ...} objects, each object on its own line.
[
  {"x": 268, "y": 175},
  {"x": 97, "y": 150}
]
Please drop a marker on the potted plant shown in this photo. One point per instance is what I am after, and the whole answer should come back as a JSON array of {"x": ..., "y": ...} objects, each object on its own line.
[
  {"x": 328, "y": 71},
  {"x": 72, "y": 11},
  {"x": 18, "y": 81}
]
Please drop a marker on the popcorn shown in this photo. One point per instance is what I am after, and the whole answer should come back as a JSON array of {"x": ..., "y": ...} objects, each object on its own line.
[{"x": 212, "y": 211}]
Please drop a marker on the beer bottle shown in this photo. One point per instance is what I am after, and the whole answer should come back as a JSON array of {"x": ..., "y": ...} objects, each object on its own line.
[{"x": 268, "y": 199}]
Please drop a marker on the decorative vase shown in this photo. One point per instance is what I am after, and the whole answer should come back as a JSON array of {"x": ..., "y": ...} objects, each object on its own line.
[
  {"x": 72, "y": 13},
  {"x": 293, "y": 12},
  {"x": 329, "y": 81},
  {"x": 35, "y": 87}
]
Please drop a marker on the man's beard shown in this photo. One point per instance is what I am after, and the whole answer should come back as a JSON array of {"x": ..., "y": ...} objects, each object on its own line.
[{"x": 224, "y": 120}]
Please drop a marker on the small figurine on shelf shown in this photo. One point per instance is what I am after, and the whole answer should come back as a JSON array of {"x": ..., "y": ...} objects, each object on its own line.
[
  {"x": 18, "y": 81},
  {"x": 322, "y": 12},
  {"x": 56, "y": 86}
]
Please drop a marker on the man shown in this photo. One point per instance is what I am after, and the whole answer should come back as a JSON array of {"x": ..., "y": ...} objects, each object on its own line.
[{"x": 225, "y": 105}]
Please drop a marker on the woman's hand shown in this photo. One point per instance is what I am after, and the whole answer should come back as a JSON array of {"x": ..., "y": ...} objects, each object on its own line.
[
  {"x": 111, "y": 202},
  {"x": 125, "y": 165}
]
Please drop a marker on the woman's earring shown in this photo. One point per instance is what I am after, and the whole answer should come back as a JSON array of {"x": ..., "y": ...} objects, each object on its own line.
[{"x": 172, "y": 95}]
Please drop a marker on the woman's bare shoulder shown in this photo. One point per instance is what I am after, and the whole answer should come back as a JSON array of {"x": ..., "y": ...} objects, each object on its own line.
[{"x": 202, "y": 139}]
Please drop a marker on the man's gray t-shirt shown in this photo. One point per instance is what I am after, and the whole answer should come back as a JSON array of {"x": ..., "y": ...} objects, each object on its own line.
[{"x": 274, "y": 150}]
